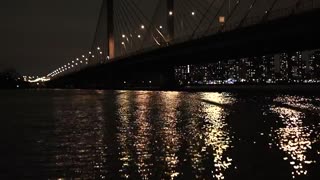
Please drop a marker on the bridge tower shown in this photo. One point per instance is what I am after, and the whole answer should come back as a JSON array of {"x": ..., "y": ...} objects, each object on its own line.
[
  {"x": 110, "y": 28},
  {"x": 170, "y": 19}
]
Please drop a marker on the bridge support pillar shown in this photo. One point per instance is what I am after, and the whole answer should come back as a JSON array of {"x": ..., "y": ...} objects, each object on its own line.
[
  {"x": 110, "y": 30},
  {"x": 170, "y": 19}
]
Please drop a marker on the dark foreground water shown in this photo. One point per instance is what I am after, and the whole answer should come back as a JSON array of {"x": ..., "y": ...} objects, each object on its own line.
[{"x": 158, "y": 135}]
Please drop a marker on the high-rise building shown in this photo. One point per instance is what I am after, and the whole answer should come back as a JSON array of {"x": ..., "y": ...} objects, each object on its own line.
[
  {"x": 218, "y": 72},
  {"x": 243, "y": 70},
  {"x": 198, "y": 74},
  {"x": 215, "y": 73},
  {"x": 314, "y": 65},
  {"x": 232, "y": 70},
  {"x": 297, "y": 66},
  {"x": 267, "y": 69},
  {"x": 284, "y": 68},
  {"x": 182, "y": 74},
  {"x": 253, "y": 70}
]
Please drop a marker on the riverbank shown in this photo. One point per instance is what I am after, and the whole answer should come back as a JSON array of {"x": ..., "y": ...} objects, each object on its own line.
[
  {"x": 262, "y": 88},
  {"x": 295, "y": 88}
]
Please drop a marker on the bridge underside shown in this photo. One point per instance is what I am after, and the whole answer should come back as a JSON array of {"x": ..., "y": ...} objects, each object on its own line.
[{"x": 156, "y": 68}]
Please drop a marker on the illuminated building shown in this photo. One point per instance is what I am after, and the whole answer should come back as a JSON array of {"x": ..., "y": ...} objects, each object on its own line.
[
  {"x": 297, "y": 66},
  {"x": 284, "y": 67},
  {"x": 314, "y": 65},
  {"x": 267, "y": 69},
  {"x": 232, "y": 70},
  {"x": 243, "y": 69},
  {"x": 217, "y": 72},
  {"x": 278, "y": 68},
  {"x": 182, "y": 74},
  {"x": 220, "y": 71},
  {"x": 198, "y": 74},
  {"x": 253, "y": 73}
]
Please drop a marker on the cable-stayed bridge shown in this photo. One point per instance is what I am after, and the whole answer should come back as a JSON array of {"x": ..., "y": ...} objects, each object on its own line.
[{"x": 135, "y": 43}]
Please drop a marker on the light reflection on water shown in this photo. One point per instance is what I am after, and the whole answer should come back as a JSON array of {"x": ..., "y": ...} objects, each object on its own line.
[
  {"x": 80, "y": 136},
  {"x": 124, "y": 132},
  {"x": 142, "y": 135},
  {"x": 169, "y": 134},
  {"x": 162, "y": 135},
  {"x": 135, "y": 133},
  {"x": 295, "y": 138},
  {"x": 216, "y": 135}
]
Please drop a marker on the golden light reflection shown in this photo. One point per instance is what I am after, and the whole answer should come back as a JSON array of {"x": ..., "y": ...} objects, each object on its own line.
[
  {"x": 216, "y": 135},
  {"x": 301, "y": 103},
  {"x": 142, "y": 137},
  {"x": 193, "y": 134},
  {"x": 123, "y": 137},
  {"x": 294, "y": 139},
  {"x": 170, "y": 136}
]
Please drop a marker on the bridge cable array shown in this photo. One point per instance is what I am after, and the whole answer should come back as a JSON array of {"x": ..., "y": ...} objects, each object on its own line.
[{"x": 137, "y": 30}]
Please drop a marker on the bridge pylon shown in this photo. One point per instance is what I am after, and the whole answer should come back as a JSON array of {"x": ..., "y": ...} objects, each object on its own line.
[
  {"x": 170, "y": 19},
  {"x": 110, "y": 28}
]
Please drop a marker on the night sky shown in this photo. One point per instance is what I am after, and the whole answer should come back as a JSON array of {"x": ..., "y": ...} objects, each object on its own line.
[{"x": 39, "y": 35}]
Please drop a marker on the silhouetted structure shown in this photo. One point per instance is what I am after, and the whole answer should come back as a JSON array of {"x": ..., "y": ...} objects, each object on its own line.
[
  {"x": 10, "y": 79},
  {"x": 217, "y": 43}
]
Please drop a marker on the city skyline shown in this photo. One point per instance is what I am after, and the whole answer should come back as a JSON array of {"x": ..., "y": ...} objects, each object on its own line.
[{"x": 294, "y": 67}]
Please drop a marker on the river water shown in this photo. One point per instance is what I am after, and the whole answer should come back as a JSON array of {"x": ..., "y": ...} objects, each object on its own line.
[{"x": 85, "y": 134}]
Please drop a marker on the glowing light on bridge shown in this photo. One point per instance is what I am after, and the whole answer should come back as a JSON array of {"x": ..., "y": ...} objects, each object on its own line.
[
  {"x": 221, "y": 19},
  {"x": 170, "y": 13},
  {"x": 41, "y": 79},
  {"x": 142, "y": 26},
  {"x": 139, "y": 36},
  {"x": 193, "y": 13}
]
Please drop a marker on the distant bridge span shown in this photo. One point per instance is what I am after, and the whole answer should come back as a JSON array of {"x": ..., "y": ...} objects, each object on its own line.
[{"x": 298, "y": 32}]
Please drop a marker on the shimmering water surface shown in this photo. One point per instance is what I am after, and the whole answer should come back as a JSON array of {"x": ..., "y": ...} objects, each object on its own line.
[{"x": 158, "y": 135}]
